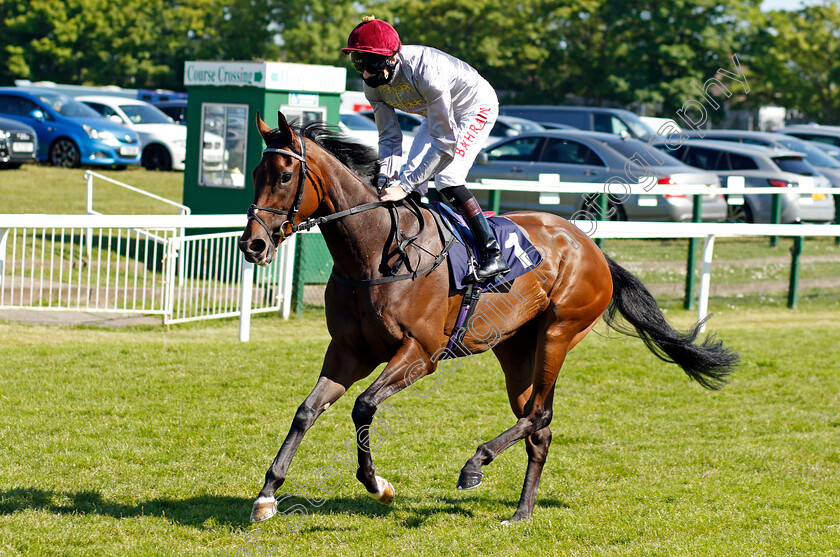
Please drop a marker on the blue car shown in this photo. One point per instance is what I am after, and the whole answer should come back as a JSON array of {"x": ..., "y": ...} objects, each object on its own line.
[{"x": 70, "y": 133}]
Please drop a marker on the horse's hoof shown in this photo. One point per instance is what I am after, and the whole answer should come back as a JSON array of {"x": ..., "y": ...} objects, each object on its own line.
[
  {"x": 514, "y": 518},
  {"x": 264, "y": 508},
  {"x": 469, "y": 480},
  {"x": 384, "y": 491}
]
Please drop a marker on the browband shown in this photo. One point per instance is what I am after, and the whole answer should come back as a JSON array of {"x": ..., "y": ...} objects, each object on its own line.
[{"x": 284, "y": 152}]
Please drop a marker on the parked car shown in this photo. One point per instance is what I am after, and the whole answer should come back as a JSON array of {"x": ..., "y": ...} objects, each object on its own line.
[
  {"x": 556, "y": 126},
  {"x": 511, "y": 126},
  {"x": 591, "y": 118},
  {"x": 832, "y": 151},
  {"x": 70, "y": 133},
  {"x": 18, "y": 143},
  {"x": 163, "y": 143},
  {"x": 581, "y": 156},
  {"x": 175, "y": 109},
  {"x": 814, "y": 132},
  {"x": 364, "y": 131},
  {"x": 408, "y": 122},
  {"x": 658, "y": 125},
  {"x": 761, "y": 167},
  {"x": 827, "y": 166}
]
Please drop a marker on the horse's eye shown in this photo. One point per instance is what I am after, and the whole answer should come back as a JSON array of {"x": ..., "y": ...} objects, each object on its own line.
[{"x": 286, "y": 177}]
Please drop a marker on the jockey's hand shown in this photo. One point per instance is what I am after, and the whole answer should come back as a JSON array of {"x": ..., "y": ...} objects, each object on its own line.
[{"x": 393, "y": 193}]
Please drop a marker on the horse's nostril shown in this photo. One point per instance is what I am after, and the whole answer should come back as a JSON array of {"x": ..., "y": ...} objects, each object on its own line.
[{"x": 256, "y": 246}]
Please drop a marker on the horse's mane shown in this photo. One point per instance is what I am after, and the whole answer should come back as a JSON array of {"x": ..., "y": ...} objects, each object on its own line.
[{"x": 360, "y": 159}]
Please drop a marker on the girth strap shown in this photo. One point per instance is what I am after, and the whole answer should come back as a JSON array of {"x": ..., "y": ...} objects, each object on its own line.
[
  {"x": 393, "y": 278},
  {"x": 468, "y": 305},
  {"x": 404, "y": 241}
]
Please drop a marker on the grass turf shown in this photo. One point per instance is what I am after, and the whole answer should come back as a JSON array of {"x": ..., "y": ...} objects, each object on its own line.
[{"x": 143, "y": 441}]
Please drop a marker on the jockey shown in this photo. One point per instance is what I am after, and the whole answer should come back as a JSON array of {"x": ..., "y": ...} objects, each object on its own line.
[{"x": 460, "y": 108}]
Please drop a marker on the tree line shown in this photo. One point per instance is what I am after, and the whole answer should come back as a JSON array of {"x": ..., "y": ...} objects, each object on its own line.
[{"x": 635, "y": 53}]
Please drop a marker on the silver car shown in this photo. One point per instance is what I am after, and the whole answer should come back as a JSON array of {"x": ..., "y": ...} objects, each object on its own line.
[
  {"x": 832, "y": 151},
  {"x": 761, "y": 167},
  {"x": 819, "y": 159},
  {"x": 594, "y": 157},
  {"x": 814, "y": 132},
  {"x": 511, "y": 126}
]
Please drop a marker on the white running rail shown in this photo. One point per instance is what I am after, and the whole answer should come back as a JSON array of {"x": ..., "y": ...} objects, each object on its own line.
[
  {"x": 90, "y": 175},
  {"x": 138, "y": 264}
]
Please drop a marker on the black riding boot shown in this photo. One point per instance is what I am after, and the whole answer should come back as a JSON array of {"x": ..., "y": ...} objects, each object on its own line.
[{"x": 492, "y": 261}]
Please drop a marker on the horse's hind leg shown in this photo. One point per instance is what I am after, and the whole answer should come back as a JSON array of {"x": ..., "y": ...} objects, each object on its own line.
[
  {"x": 554, "y": 340},
  {"x": 519, "y": 381},
  {"x": 536, "y": 445}
]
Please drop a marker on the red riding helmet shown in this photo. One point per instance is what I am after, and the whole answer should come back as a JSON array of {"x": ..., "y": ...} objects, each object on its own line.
[{"x": 373, "y": 36}]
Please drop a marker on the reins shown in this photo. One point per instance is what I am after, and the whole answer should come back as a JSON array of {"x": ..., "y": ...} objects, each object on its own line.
[
  {"x": 291, "y": 213},
  {"x": 403, "y": 241}
]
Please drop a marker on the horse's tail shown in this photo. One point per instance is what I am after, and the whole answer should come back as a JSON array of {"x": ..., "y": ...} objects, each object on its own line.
[{"x": 708, "y": 363}]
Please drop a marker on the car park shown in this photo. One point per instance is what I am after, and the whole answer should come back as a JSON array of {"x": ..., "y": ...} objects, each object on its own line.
[
  {"x": 761, "y": 167},
  {"x": 592, "y": 118},
  {"x": 813, "y": 132},
  {"x": 581, "y": 156},
  {"x": 18, "y": 144},
  {"x": 363, "y": 130},
  {"x": 819, "y": 159},
  {"x": 175, "y": 109},
  {"x": 69, "y": 132},
  {"x": 163, "y": 143}
]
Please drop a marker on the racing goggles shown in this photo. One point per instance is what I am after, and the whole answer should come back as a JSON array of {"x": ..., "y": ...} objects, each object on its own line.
[{"x": 373, "y": 63}]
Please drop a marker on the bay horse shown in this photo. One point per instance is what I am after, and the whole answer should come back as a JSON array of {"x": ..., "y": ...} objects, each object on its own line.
[{"x": 309, "y": 175}]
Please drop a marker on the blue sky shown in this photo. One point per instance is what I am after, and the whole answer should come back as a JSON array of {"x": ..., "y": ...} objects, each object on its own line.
[{"x": 789, "y": 4}]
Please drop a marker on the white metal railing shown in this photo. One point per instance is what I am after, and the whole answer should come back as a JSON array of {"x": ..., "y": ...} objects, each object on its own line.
[
  {"x": 550, "y": 183},
  {"x": 138, "y": 264},
  {"x": 211, "y": 276},
  {"x": 708, "y": 231},
  {"x": 90, "y": 175},
  {"x": 83, "y": 268},
  {"x": 145, "y": 263}
]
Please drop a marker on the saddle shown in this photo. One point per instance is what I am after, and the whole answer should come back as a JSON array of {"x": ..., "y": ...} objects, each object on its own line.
[
  {"x": 460, "y": 250},
  {"x": 520, "y": 253}
]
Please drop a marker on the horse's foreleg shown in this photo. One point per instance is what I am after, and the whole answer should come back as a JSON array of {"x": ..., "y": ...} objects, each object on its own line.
[
  {"x": 408, "y": 365},
  {"x": 341, "y": 369}
]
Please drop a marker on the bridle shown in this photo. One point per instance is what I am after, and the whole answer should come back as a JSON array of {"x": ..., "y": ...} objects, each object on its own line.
[
  {"x": 311, "y": 222},
  {"x": 290, "y": 214}
]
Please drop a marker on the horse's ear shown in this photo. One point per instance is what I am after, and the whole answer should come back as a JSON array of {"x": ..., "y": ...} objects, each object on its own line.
[
  {"x": 263, "y": 127},
  {"x": 284, "y": 129}
]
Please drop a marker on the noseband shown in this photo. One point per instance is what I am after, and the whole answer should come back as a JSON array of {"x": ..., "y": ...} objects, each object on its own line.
[{"x": 290, "y": 214}]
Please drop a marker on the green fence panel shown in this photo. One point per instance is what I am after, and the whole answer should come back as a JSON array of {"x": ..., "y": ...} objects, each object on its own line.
[{"x": 313, "y": 265}]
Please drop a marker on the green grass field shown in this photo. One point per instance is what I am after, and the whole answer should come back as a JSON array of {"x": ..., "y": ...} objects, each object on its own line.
[
  {"x": 46, "y": 189},
  {"x": 142, "y": 441},
  {"x": 147, "y": 441}
]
